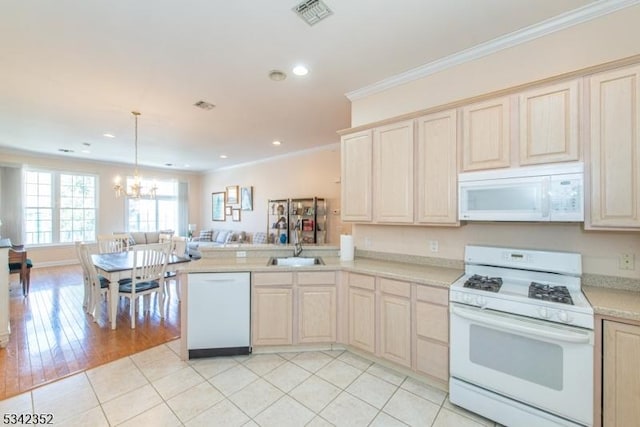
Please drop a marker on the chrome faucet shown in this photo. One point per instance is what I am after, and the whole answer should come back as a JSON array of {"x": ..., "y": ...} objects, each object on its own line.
[{"x": 297, "y": 246}]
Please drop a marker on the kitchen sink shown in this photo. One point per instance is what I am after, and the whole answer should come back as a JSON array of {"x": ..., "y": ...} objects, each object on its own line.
[{"x": 295, "y": 261}]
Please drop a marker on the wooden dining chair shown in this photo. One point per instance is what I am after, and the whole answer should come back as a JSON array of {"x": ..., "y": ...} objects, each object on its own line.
[
  {"x": 96, "y": 286},
  {"x": 179, "y": 248},
  {"x": 147, "y": 277},
  {"x": 19, "y": 263},
  {"x": 108, "y": 243}
]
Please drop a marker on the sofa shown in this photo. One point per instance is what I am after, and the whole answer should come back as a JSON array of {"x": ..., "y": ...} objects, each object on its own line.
[
  {"x": 220, "y": 238},
  {"x": 145, "y": 237}
]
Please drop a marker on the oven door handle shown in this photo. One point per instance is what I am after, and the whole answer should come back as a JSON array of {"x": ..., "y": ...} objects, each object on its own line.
[{"x": 516, "y": 326}]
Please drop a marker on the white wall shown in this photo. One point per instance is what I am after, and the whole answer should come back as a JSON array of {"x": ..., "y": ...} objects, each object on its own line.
[
  {"x": 111, "y": 210},
  {"x": 606, "y": 39},
  {"x": 305, "y": 174}
]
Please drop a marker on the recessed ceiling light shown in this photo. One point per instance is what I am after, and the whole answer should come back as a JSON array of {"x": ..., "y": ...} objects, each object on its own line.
[
  {"x": 277, "y": 75},
  {"x": 223, "y": 156},
  {"x": 300, "y": 70},
  {"x": 276, "y": 143},
  {"x": 108, "y": 135},
  {"x": 86, "y": 151}
]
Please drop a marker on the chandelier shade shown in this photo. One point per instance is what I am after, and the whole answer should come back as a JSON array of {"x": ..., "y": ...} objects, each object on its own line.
[{"x": 136, "y": 190}]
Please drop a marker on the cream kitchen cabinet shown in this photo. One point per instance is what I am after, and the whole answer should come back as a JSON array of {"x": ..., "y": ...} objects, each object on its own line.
[
  {"x": 272, "y": 308},
  {"x": 357, "y": 177},
  {"x": 411, "y": 178},
  {"x": 621, "y": 374},
  {"x": 615, "y": 150},
  {"x": 432, "y": 332},
  {"x": 393, "y": 173},
  {"x": 486, "y": 138},
  {"x": 362, "y": 311},
  {"x": 395, "y": 321},
  {"x": 436, "y": 169},
  {"x": 549, "y": 124},
  {"x": 316, "y": 307},
  {"x": 293, "y": 307}
]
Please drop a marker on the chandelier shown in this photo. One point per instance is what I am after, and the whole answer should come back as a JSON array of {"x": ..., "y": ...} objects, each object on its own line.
[{"x": 136, "y": 190}]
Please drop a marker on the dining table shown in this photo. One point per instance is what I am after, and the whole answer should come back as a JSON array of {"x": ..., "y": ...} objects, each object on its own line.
[{"x": 116, "y": 266}]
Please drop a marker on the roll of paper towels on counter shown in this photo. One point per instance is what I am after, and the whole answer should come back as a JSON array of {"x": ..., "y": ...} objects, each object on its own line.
[{"x": 346, "y": 247}]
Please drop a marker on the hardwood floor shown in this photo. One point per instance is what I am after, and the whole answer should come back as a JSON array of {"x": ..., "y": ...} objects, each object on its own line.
[{"x": 52, "y": 337}]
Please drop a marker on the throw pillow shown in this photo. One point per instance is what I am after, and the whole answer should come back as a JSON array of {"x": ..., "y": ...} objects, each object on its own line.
[
  {"x": 260, "y": 238},
  {"x": 205, "y": 235},
  {"x": 231, "y": 237},
  {"x": 222, "y": 236}
]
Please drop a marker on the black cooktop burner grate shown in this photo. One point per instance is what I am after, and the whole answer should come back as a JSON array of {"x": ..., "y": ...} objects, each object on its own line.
[
  {"x": 550, "y": 293},
  {"x": 484, "y": 283}
]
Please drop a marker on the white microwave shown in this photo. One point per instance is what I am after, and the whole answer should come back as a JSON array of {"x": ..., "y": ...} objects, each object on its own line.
[{"x": 531, "y": 193}]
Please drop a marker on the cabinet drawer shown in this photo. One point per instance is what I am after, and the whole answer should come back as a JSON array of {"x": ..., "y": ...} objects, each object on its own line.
[
  {"x": 433, "y": 295},
  {"x": 270, "y": 279},
  {"x": 317, "y": 278},
  {"x": 395, "y": 287},
  {"x": 362, "y": 281}
]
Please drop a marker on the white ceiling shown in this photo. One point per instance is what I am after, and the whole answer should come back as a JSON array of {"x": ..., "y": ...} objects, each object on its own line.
[{"x": 73, "y": 70}]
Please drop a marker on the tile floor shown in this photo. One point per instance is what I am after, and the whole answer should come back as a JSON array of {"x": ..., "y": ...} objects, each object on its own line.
[{"x": 156, "y": 388}]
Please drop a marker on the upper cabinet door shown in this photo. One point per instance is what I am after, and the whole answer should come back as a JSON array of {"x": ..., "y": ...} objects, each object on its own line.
[
  {"x": 549, "y": 121},
  {"x": 393, "y": 173},
  {"x": 356, "y": 176},
  {"x": 486, "y": 135},
  {"x": 615, "y": 149},
  {"x": 436, "y": 153}
]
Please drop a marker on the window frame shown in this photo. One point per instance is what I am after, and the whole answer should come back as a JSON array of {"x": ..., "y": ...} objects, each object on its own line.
[{"x": 56, "y": 204}]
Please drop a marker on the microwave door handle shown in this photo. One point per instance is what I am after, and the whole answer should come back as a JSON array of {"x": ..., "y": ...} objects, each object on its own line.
[
  {"x": 546, "y": 197},
  {"x": 521, "y": 327}
]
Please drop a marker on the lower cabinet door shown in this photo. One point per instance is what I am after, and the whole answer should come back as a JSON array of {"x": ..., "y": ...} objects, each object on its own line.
[
  {"x": 432, "y": 358},
  {"x": 395, "y": 329},
  {"x": 271, "y": 316},
  {"x": 317, "y": 314},
  {"x": 362, "y": 309},
  {"x": 621, "y": 374}
]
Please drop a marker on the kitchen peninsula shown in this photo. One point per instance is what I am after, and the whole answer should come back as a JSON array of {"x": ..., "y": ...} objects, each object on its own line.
[{"x": 393, "y": 308}]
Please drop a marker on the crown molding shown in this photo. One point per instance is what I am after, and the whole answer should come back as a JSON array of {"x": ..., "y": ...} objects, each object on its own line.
[
  {"x": 327, "y": 147},
  {"x": 557, "y": 23}
]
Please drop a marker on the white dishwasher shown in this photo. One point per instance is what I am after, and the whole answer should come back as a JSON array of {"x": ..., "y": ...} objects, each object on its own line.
[{"x": 218, "y": 314}]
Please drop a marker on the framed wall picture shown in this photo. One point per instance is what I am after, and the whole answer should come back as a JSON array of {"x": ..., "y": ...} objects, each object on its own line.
[
  {"x": 246, "y": 198},
  {"x": 227, "y": 210},
  {"x": 218, "y": 206},
  {"x": 235, "y": 214},
  {"x": 232, "y": 195}
]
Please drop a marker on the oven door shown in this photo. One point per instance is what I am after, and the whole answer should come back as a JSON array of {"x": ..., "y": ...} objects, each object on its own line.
[{"x": 542, "y": 364}]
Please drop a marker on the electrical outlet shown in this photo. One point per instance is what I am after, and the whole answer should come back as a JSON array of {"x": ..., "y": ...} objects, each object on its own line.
[
  {"x": 367, "y": 242},
  {"x": 627, "y": 262},
  {"x": 241, "y": 254},
  {"x": 433, "y": 245}
]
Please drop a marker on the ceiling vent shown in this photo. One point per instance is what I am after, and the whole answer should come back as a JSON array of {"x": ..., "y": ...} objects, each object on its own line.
[
  {"x": 204, "y": 105},
  {"x": 312, "y": 11}
]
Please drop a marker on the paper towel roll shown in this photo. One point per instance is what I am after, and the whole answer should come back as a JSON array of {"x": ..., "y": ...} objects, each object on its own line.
[{"x": 346, "y": 247}]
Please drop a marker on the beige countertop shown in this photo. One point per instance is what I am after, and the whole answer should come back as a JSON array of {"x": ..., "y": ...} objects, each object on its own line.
[
  {"x": 621, "y": 303},
  {"x": 416, "y": 273}
]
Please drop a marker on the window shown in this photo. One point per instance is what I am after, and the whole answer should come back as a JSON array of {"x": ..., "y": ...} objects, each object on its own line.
[
  {"x": 160, "y": 213},
  {"x": 59, "y": 207}
]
